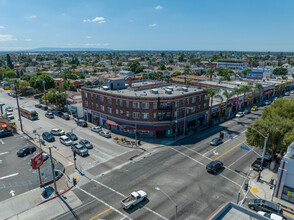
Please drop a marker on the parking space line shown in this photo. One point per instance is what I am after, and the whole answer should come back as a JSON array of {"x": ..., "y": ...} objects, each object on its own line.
[
  {"x": 96, "y": 216},
  {"x": 11, "y": 175},
  {"x": 102, "y": 202},
  {"x": 230, "y": 150},
  {"x": 2, "y": 142}
]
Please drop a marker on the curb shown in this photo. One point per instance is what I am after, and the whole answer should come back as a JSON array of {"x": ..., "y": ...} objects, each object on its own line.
[
  {"x": 47, "y": 200},
  {"x": 287, "y": 210}
]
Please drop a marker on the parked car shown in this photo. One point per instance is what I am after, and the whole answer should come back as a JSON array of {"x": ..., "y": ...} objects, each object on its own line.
[
  {"x": 38, "y": 106},
  {"x": 66, "y": 117},
  {"x": 58, "y": 113},
  {"x": 266, "y": 206},
  {"x": 5, "y": 133},
  {"x": 9, "y": 116},
  {"x": 214, "y": 166},
  {"x": 133, "y": 199},
  {"x": 44, "y": 107},
  {"x": 216, "y": 141},
  {"x": 271, "y": 215},
  {"x": 105, "y": 134},
  {"x": 25, "y": 151},
  {"x": 9, "y": 109},
  {"x": 72, "y": 136},
  {"x": 254, "y": 108},
  {"x": 240, "y": 115},
  {"x": 65, "y": 140},
  {"x": 49, "y": 115},
  {"x": 57, "y": 131},
  {"x": 246, "y": 111},
  {"x": 79, "y": 149},
  {"x": 86, "y": 143},
  {"x": 82, "y": 123},
  {"x": 51, "y": 110},
  {"x": 287, "y": 93},
  {"x": 257, "y": 163},
  {"x": 292, "y": 92},
  {"x": 267, "y": 102},
  {"x": 48, "y": 137},
  {"x": 96, "y": 129}
]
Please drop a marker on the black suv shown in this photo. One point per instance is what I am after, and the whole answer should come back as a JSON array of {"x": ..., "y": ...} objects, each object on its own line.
[
  {"x": 263, "y": 205},
  {"x": 257, "y": 163},
  {"x": 214, "y": 166},
  {"x": 48, "y": 137},
  {"x": 5, "y": 133},
  {"x": 26, "y": 150},
  {"x": 82, "y": 123},
  {"x": 72, "y": 136},
  {"x": 44, "y": 107},
  {"x": 58, "y": 113},
  {"x": 38, "y": 106},
  {"x": 65, "y": 117}
]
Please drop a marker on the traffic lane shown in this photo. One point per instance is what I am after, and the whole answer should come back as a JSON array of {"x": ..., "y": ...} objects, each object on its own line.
[{"x": 25, "y": 177}]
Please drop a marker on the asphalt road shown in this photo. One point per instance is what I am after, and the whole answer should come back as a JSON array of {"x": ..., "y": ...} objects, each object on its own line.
[{"x": 180, "y": 172}]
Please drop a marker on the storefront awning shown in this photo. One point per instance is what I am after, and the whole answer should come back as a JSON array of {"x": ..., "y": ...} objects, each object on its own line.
[{"x": 111, "y": 122}]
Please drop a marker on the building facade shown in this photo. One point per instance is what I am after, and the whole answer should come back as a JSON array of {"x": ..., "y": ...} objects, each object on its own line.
[{"x": 150, "y": 108}]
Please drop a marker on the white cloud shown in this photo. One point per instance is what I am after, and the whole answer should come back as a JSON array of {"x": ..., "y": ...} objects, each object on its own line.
[
  {"x": 158, "y": 7},
  {"x": 89, "y": 37},
  {"x": 100, "y": 20},
  {"x": 89, "y": 44},
  {"x": 152, "y": 25},
  {"x": 31, "y": 17},
  {"x": 6, "y": 37},
  {"x": 28, "y": 39},
  {"x": 2, "y": 27}
]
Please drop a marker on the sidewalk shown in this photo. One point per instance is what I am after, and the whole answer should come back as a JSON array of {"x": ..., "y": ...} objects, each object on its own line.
[{"x": 265, "y": 190}]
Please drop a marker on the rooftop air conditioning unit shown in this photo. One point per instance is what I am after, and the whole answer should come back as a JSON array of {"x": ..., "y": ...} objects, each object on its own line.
[
  {"x": 154, "y": 91},
  {"x": 168, "y": 91},
  {"x": 105, "y": 87},
  {"x": 170, "y": 88}
]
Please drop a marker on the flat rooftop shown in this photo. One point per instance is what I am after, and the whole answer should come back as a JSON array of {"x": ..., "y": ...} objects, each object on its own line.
[{"x": 152, "y": 89}]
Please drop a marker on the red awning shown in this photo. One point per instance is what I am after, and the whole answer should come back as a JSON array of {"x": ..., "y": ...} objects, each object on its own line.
[
  {"x": 111, "y": 123},
  {"x": 4, "y": 126}
]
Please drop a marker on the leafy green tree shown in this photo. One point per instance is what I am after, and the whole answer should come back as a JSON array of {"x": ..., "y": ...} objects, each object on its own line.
[
  {"x": 259, "y": 87},
  {"x": 227, "y": 94},
  {"x": 23, "y": 86},
  {"x": 9, "y": 61},
  {"x": 136, "y": 67},
  {"x": 277, "y": 121},
  {"x": 238, "y": 92},
  {"x": 119, "y": 63},
  {"x": 210, "y": 72},
  {"x": 9, "y": 74},
  {"x": 169, "y": 68},
  {"x": 59, "y": 63},
  {"x": 177, "y": 73},
  {"x": 244, "y": 90},
  {"x": 39, "y": 79},
  {"x": 162, "y": 66},
  {"x": 88, "y": 83},
  {"x": 246, "y": 71},
  {"x": 280, "y": 71},
  {"x": 181, "y": 57}
]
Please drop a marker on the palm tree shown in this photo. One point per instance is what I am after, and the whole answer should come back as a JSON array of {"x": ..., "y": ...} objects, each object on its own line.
[
  {"x": 211, "y": 93},
  {"x": 187, "y": 70},
  {"x": 244, "y": 90},
  {"x": 237, "y": 91},
  {"x": 259, "y": 87},
  {"x": 228, "y": 95},
  {"x": 210, "y": 72}
]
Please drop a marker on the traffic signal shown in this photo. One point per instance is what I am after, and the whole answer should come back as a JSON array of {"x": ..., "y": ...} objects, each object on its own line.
[{"x": 74, "y": 181}]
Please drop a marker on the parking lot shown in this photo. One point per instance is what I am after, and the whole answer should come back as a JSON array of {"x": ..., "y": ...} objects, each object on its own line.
[{"x": 17, "y": 176}]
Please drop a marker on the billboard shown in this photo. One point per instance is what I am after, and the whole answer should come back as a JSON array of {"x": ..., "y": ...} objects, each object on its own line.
[
  {"x": 254, "y": 75},
  {"x": 37, "y": 161}
]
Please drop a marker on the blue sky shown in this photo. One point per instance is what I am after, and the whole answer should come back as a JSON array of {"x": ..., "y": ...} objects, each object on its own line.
[{"x": 251, "y": 25}]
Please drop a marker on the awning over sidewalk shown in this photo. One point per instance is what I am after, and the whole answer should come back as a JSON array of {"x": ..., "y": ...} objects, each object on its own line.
[{"x": 111, "y": 122}]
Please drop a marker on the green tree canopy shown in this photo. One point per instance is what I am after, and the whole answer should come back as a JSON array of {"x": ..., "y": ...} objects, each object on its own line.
[
  {"x": 280, "y": 71},
  {"x": 23, "y": 86},
  {"x": 136, "y": 67},
  {"x": 277, "y": 121},
  {"x": 9, "y": 74},
  {"x": 246, "y": 71},
  {"x": 38, "y": 80},
  {"x": 9, "y": 62}
]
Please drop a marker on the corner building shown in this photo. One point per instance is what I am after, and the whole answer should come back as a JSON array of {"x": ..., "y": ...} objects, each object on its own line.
[{"x": 150, "y": 108}]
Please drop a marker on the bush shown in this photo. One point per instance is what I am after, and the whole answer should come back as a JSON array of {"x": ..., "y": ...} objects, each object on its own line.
[{"x": 116, "y": 138}]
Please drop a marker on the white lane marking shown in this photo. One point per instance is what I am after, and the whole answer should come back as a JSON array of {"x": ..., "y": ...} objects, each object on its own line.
[
  {"x": 4, "y": 177},
  {"x": 239, "y": 159},
  {"x": 3, "y": 153},
  {"x": 205, "y": 166},
  {"x": 103, "y": 202},
  {"x": 215, "y": 153},
  {"x": 244, "y": 131},
  {"x": 2, "y": 142},
  {"x": 122, "y": 195}
]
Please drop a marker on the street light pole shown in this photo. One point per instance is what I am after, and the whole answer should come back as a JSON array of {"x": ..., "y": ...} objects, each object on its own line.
[
  {"x": 176, "y": 206},
  {"x": 136, "y": 138},
  {"x": 19, "y": 115},
  {"x": 238, "y": 196}
]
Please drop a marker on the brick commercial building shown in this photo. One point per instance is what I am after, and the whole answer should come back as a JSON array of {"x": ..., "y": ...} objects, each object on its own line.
[{"x": 152, "y": 108}]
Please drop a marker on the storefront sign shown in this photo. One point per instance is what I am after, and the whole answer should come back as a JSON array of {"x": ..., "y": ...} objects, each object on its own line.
[
  {"x": 289, "y": 193},
  {"x": 254, "y": 75}
]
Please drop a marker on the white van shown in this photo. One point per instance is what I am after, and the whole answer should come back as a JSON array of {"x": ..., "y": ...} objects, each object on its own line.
[{"x": 65, "y": 140}]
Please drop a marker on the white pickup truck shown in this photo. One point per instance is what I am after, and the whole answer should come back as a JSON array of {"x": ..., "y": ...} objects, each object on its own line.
[{"x": 133, "y": 199}]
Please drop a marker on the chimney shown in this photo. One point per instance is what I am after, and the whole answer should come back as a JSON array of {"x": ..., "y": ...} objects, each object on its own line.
[{"x": 130, "y": 82}]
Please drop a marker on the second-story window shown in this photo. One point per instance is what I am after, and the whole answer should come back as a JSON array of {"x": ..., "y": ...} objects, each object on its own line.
[
  {"x": 193, "y": 100},
  {"x": 154, "y": 105},
  {"x": 109, "y": 101},
  {"x": 101, "y": 98},
  {"x": 86, "y": 103},
  {"x": 145, "y": 116},
  {"x": 127, "y": 114},
  {"x": 177, "y": 104},
  {"x": 176, "y": 114},
  {"x": 91, "y": 96},
  {"x": 121, "y": 103},
  {"x": 96, "y": 106},
  {"x": 127, "y": 104},
  {"x": 121, "y": 112},
  {"x": 102, "y": 108},
  {"x": 116, "y": 111},
  {"x": 86, "y": 95},
  {"x": 136, "y": 115},
  {"x": 205, "y": 106},
  {"x": 183, "y": 102},
  {"x": 145, "y": 105},
  {"x": 92, "y": 105},
  {"x": 109, "y": 110},
  {"x": 193, "y": 109},
  {"x": 116, "y": 101},
  {"x": 136, "y": 105},
  {"x": 199, "y": 107},
  {"x": 188, "y": 101}
]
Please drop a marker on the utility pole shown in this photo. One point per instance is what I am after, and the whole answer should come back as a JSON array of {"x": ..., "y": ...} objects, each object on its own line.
[
  {"x": 53, "y": 173},
  {"x": 262, "y": 158},
  {"x": 19, "y": 115},
  {"x": 45, "y": 92}
]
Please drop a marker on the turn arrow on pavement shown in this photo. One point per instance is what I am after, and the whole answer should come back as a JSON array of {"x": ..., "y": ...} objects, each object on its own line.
[{"x": 12, "y": 193}]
